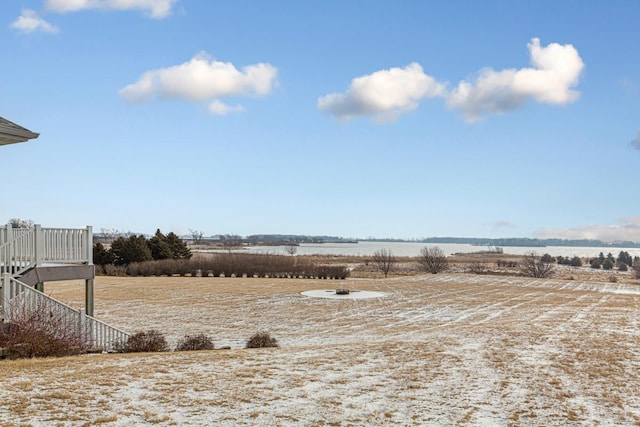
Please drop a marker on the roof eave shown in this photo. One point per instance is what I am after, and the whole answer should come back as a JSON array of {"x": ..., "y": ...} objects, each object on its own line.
[{"x": 15, "y": 133}]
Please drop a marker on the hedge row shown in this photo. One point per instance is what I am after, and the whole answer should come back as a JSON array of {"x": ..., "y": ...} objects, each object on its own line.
[{"x": 229, "y": 265}]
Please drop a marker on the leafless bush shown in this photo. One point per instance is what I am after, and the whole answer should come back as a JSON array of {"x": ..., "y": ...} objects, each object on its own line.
[
  {"x": 195, "y": 342},
  {"x": 612, "y": 278},
  {"x": 328, "y": 272},
  {"x": 40, "y": 331},
  {"x": 150, "y": 341},
  {"x": 291, "y": 249},
  {"x": 384, "y": 260},
  {"x": 432, "y": 260},
  {"x": 636, "y": 267},
  {"x": 261, "y": 340},
  {"x": 115, "y": 270},
  {"x": 478, "y": 267},
  {"x": 533, "y": 265},
  {"x": 232, "y": 264},
  {"x": 506, "y": 264}
]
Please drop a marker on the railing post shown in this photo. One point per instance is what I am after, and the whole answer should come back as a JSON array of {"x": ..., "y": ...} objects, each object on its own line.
[
  {"x": 82, "y": 325},
  {"x": 9, "y": 260},
  {"x": 88, "y": 296},
  {"x": 3, "y": 234},
  {"x": 89, "y": 247},
  {"x": 9, "y": 232},
  {"x": 6, "y": 293},
  {"x": 38, "y": 243}
]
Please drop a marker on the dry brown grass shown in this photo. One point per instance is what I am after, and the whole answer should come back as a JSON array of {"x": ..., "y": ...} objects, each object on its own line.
[{"x": 448, "y": 349}]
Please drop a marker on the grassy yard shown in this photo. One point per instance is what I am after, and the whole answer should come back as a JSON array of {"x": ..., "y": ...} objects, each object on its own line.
[{"x": 451, "y": 349}]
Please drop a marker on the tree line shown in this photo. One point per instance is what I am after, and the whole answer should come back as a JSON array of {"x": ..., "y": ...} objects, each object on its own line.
[{"x": 137, "y": 248}]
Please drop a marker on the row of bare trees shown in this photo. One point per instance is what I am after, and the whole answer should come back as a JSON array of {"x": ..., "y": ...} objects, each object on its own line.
[{"x": 431, "y": 260}]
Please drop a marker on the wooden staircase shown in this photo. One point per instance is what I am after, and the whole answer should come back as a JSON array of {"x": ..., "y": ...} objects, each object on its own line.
[{"x": 32, "y": 256}]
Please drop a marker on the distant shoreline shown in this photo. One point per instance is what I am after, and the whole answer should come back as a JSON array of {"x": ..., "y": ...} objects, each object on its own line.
[{"x": 516, "y": 242}]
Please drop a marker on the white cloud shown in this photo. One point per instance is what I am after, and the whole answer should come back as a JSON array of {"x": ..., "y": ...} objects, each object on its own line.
[
  {"x": 556, "y": 70},
  {"x": 155, "y": 8},
  {"x": 636, "y": 142},
  {"x": 385, "y": 94},
  {"x": 626, "y": 230},
  {"x": 221, "y": 109},
  {"x": 202, "y": 79},
  {"x": 29, "y": 22}
]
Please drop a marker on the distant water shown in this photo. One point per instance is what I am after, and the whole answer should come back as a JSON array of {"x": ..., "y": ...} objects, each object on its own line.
[{"x": 411, "y": 249}]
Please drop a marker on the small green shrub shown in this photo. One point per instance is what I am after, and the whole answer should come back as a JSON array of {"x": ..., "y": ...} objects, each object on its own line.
[
  {"x": 607, "y": 264},
  {"x": 262, "y": 340},
  {"x": 150, "y": 341},
  {"x": 575, "y": 262},
  {"x": 547, "y": 258},
  {"x": 195, "y": 342}
]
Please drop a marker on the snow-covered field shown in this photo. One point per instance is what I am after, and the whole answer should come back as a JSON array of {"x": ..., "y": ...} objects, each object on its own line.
[{"x": 450, "y": 349}]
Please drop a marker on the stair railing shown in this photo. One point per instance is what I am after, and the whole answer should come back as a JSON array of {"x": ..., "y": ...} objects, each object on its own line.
[{"x": 19, "y": 300}]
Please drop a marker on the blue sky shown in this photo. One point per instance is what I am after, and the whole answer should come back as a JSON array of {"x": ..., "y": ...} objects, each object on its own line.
[{"x": 380, "y": 118}]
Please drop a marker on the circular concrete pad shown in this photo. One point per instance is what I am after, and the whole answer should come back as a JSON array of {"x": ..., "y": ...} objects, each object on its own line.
[{"x": 331, "y": 294}]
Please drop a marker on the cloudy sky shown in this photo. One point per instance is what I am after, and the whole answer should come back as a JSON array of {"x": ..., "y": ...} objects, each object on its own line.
[{"x": 390, "y": 119}]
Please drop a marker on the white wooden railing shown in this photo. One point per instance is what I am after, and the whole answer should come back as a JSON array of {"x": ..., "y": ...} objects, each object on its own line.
[
  {"x": 22, "y": 249},
  {"x": 18, "y": 251},
  {"x": 19, "y": 301}
]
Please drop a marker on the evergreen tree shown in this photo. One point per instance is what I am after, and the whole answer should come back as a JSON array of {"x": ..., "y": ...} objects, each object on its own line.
[
  {"x": 607, "y": 264},
  {"x": 133, "y": 249},
  {"x": 625, "y": 258},
  {"x": 101, "y": 256},
  {"x": 575, "y": 262},
  {"x": 160, "y": 248},
  {"x": 178, "y": 247}
]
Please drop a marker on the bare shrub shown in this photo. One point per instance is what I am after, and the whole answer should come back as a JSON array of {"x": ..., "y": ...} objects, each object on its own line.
[
  {"x": 384, "y": 260},
  {"x": 478, "y": 267},
  {"x": 328, "y": 272},
  {"x": 150, "y": 341},
  {"x": 232, "y": 265},
  {"x": 612, "y": 278},
  {"x": 636, "y": 267},
  {"x": 506, "y": 263},
  {"x": 261, "y": 340},
  {"x": 195, "y": 342},
  {"x": 533, "y": 265},
  {"x": 115, "y": 270},
  {"x": 432, "y": 260},
  {"x": 291, "y": 249},
  {"x": 40, "y": 331}
]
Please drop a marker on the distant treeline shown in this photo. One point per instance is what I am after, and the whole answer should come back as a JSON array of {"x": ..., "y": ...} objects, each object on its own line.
[
  {"x": 292, "y": 238},
  {"x": 523, "y": 241}
]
